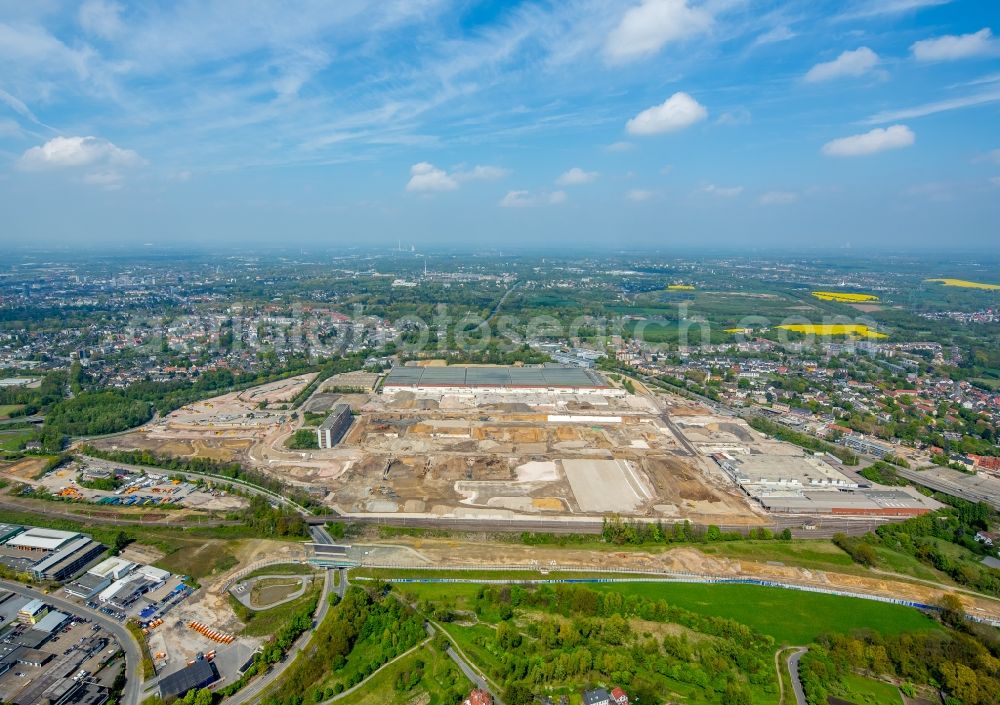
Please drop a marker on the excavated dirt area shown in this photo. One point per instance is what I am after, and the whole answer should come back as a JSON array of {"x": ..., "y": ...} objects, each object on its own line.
[
  {"x": 452, "y": 454},
  {"x": 209, "y": 605}
]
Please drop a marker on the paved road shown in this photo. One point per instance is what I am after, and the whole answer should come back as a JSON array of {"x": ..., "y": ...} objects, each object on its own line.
[
  {"x": 942, "y": 484},
  {"x": 365, "y": 682},
  {"x": 824, "y": 527},
  {"x": 471, "y": 673},
  {"x": 133, "y": 655},
  {"x": 679, "y": 435},
  {"x": 257, "y": 687},
  {"x": 793, "y": 670}
]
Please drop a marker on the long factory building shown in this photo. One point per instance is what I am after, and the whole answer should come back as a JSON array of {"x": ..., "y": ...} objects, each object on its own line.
[{"x": 466, "y": 379}]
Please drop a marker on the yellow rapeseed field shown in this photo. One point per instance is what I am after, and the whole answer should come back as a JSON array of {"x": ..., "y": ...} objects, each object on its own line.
[
  {"x": 680, "y": 287},
  {"x": 965, "y": 284},
  {"x": 844, "y": 297},
  {"x": 851, "y": 329}
]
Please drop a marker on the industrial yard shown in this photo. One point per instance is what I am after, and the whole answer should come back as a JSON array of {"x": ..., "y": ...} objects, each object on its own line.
[{"x": 506, "y": 443}]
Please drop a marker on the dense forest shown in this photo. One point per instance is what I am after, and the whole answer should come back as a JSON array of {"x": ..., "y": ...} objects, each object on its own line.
[
  {"x": 585, "y": 636},
  {"x": 963, "y": 666},
  {"x": 380, "y": 623}
]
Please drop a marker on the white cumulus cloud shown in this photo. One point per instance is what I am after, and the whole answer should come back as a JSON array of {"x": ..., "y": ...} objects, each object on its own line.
[
  {"x": 724, "y": 191},
  {"x": 778, "y": 198},
  {"x": 576, "y": 176},
  {"x": 849, "y": 63},
  {"x": 424, "y": 176},
  {"x": 877, "y": 140},
  {"x": 62, "y": 152},
  {"x": 638, "y": 195},
  {"x": 645, "y": 28},
  {"x": 675, "y": 113},
  {"x": 955, "y": 46},
  {"x": 527, "y": 199}
]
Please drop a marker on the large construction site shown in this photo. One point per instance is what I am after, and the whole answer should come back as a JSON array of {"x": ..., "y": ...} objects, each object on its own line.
[{"x": 507, "y": 443}]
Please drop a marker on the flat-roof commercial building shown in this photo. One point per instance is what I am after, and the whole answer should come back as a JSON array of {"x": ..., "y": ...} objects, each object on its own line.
[
  {"x": 861, "y": 502},
  {"x": 463, "y": 379},
  {"x": 69, "y": 560},
  {"x": 51, "y": 622},
  {"x": 113, "y": 568},
  {"x": 99, "y": 577},
  {"x": 198, "y": 675},
  {"x": 38, "y": 539},
  {"x": 332, "y": 430},
  {"x": 32, "y": 612},
  {"x": 9, "y": 531},
  {"x": 48, "y": 554}
]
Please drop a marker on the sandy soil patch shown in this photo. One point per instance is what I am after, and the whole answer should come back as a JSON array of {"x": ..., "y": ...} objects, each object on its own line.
[
  {"x": 537, "y": 471},
  {"x": 606, "y": 485}
]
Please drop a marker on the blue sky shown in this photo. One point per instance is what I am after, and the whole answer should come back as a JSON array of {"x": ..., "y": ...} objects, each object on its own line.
[{"x": 632, "y": 123}]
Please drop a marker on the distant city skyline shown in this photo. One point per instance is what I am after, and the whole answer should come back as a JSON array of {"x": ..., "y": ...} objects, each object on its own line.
[{"x": 633, "y": 124}]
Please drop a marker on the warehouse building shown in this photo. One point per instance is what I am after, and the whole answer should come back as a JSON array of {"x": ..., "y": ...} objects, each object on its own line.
[
  {"x": 32, "y": 612},
  {"x": 49, "y": 554},
  {"x": 807, "y": 484},
  {"x": 9, "y": 531},
  {"x": 38, "y": 539},
  {"x": 465, "y": 379},
  {"x": 198, "y": 675},
  {"x": 862, "y": 502},
  {"x": 52, "y": 622},
  {"x": 332, "y": 430},
  {"x": 99, "y": 577},
  {"x": 69, "y": 560}
]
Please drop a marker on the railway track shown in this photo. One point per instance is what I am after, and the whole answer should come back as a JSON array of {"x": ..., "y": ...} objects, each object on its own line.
[{"x": 801, "y": 527}]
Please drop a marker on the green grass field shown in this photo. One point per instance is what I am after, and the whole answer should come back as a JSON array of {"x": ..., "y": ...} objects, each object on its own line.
[
  {"x": 267, "y": 622},
  {"x": 280, "y": 569},
  {"x": 790, "y": 616},
  {"x": 439, "y": 684},
  {"x": 198, "y": 559},
  {"x": 7, "y": 409},
  {"x": 866, "y": 691}
]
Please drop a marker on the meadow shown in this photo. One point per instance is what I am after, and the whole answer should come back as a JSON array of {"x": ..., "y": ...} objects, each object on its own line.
[
  {"x": 426, "y": 676},
  {"x": 790, "y": 616}
]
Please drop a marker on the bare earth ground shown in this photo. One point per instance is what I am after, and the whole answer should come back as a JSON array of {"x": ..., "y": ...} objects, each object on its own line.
[
  {"x": 210, "y": 606},
  {"x": 451, "y": 553},
  {"x": 23, "y": 470},
  {"x": 452, "y": 455}
]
